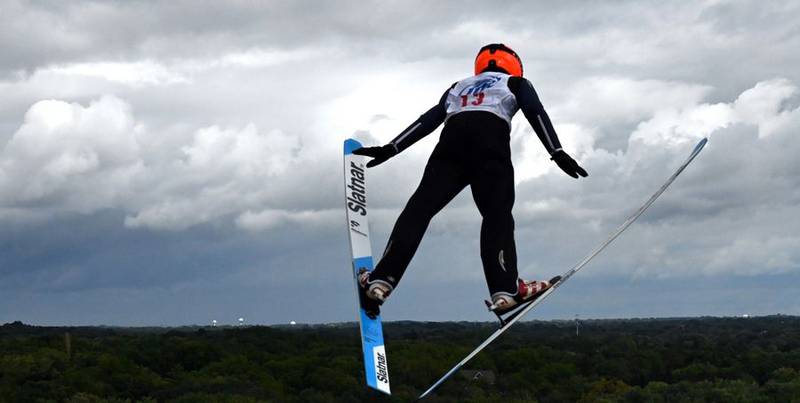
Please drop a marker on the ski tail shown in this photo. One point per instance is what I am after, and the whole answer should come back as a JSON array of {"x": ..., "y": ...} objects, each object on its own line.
[
  {"x": 376, "y": 368},
  {"x": 517, "y": 315}
]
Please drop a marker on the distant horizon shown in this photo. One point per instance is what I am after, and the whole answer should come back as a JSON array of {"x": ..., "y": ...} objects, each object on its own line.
[
  {"x": 165, "y": 163},
  {"x": 355, "y": 323}
]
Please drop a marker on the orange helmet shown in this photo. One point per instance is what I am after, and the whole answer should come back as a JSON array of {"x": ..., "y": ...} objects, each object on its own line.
[{"x": 498, "y": 56}]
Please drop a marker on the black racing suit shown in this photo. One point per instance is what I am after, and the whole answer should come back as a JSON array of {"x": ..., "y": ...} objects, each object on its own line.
[{"x": 474, "y": 150}]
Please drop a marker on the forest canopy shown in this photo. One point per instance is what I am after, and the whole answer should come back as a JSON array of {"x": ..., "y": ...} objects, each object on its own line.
[{"x": 644, "y": 360}]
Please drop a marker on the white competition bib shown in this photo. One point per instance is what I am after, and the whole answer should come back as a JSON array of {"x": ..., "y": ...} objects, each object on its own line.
[{"x": 485, "y": 92}]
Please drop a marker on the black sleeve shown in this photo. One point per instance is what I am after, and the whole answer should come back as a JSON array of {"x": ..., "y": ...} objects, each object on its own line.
[
  {"x": 425, "y": 125},
  {"x": 534, "y": 112}
]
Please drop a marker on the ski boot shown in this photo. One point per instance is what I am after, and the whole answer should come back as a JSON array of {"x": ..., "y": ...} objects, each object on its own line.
[
  {"x": 372, "y": 294},
  {"x": 527, "y": 291}
]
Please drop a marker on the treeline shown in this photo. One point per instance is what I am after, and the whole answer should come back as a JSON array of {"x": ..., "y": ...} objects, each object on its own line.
[{"x": 664, "y": 360}]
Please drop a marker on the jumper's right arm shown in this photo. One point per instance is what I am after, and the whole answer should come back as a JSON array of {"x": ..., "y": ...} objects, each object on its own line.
[
  {"x": 423, "y": 126},
  {"x": 528, "y": 101}
]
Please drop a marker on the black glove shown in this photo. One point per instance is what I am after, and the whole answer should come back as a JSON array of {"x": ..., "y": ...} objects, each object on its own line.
[
  {"x": 567, "y": 164},
  {"x": 379, "y": 154}
]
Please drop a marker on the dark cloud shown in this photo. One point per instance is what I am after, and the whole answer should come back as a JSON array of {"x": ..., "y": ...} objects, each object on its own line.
[{"x": 179, "y": 162}]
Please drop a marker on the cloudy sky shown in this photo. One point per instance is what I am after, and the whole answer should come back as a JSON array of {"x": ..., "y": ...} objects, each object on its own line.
[{"x": 176, "y": 162}]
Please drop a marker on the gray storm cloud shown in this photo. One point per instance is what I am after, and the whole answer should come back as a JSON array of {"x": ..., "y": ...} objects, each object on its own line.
[
  {"x": 72, "y": 158},
  {"x": 196, "y": 146}
]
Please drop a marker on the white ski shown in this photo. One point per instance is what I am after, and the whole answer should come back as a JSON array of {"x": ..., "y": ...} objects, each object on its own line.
[
  {"x": 355, "y": 187},
  {"x": 564, "y": 277}
]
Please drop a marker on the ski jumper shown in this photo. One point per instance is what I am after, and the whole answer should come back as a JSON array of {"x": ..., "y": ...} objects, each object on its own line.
[{"x": 473, "y": 150}]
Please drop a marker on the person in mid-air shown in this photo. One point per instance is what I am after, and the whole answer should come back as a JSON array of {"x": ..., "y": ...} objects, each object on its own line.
[{"x": 474, "y": 150}]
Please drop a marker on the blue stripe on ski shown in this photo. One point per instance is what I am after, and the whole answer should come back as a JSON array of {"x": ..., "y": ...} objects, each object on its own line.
[
  {"x": 371, "y": 329},
  {"x": 350, "y": 145}
]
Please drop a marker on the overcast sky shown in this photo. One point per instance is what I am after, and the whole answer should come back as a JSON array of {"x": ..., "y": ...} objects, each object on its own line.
[{"x": 177, "y": 162}]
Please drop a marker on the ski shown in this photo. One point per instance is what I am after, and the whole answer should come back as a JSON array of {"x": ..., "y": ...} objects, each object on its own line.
[
  {"x": 517, "y": 314},
  {"x": 355, "y": 187}
]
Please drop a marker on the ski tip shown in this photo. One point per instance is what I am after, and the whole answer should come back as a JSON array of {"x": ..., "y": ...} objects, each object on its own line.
[
  {"x": 700, "y": 145},
  {"x": 350, "y": 145}
]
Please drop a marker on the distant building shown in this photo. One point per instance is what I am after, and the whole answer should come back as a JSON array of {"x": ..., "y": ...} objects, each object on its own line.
[{"x": 479, "y": 375}]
